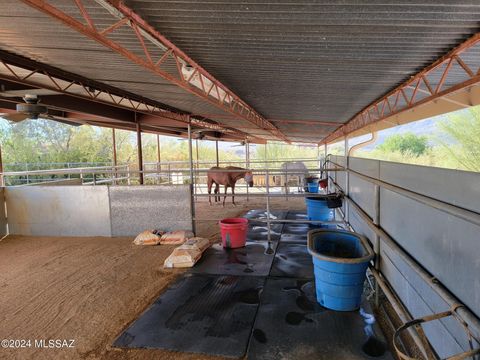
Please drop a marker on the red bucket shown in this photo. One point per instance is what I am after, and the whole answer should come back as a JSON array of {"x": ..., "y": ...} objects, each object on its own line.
[
  {"x": 234, "y": 232},
  {"x": 323, "y": 183}
]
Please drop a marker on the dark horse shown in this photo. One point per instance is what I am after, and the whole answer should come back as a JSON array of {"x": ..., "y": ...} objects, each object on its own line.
[{"x": 227, "y": 176}]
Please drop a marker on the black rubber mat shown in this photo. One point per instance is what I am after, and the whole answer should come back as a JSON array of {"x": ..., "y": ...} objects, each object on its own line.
[
  {"x": 294, "y": 238},
  {"x": 292, "y": 260},
  {"x": 254, "y": 259},
  {"x": 290, "y": 324},
  {"x": 199, "y": 313},
  {"x": 297, "y": 215},
  {"x": 262, "y": 214},
  {"x": 259, "y": 232}
]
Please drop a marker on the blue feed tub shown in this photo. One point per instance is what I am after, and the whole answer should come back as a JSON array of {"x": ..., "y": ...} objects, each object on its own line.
[
  {"x": 317, "y": 209},
  {"x": 340, "y": 260},
  {"x": 312, "y": 187}
]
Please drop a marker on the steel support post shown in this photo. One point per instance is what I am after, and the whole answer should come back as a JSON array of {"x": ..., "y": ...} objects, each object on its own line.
[
  {"x": 114, "y": 152},
  {"x": 347, "y": 181},
  {"x": 2, "y": 179},
  {"x": 269, "y": 227},
  {"x": 247, "y": 160},
  {"x": 192, "y": 180},
  {"x": 159, "y": 159},
  {"x": 376, "y": 245},
  {"x": 139, "y": 151}
]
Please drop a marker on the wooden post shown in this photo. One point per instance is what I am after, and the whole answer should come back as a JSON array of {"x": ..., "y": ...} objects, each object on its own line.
[
  {"x": 139, "y": 151},
  {"x": 216, "y": 152}
]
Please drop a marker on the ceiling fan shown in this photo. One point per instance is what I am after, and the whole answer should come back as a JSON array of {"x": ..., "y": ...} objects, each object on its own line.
[
  {"x": 32, "y": 109},
  {"x": 201, "y": 134},
  {"x": 242, "y": 143}
]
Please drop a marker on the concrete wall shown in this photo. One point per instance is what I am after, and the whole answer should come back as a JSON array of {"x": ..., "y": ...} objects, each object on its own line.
[
  {"x": 96, "y": 210},
  {"x": 136, "y": 208},
  {"x": 445, "y": 245},
  {"x": 3, "y": 215},
  {"x": 58, "y": 210}
]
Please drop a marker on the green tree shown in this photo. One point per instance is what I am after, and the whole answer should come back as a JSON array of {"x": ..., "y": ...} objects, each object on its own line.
[
  {"x": 464, "y": 128},
  {"x": 407, "y": 143}
]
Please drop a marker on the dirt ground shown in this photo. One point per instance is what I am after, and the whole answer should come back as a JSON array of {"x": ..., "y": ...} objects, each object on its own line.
[{"x": 90, "y": 289}]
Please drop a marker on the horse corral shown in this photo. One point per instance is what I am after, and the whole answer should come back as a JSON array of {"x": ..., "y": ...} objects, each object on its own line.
[{"x": 74, "y": 284}]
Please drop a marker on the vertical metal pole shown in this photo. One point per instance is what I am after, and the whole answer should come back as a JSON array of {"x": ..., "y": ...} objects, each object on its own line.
[
  {"x": 216, "y": 153},
  {"x": 247, "y": 161},
  {"x": 159, "y": 159},
  {"x": 190, "y": 157},
  {"x": 139, "y": 150},
  {"x": 269, "y": 235},
  {"x": 2, "y": 179},
  {"x": 197, "y": 166},
  {"x": 318, "y": 157},
  {"x": 347, "y": 182},
  {"x": 266, "y": 162},
  {"x": 114, "y": 148},
  {"x": 325, "y": 153},
  {"x": 376, "y": 245}
]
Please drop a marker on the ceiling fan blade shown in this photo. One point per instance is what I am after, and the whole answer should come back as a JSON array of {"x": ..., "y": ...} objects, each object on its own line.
[
  {"x": 15, "y": 117},
  {"x": 63, "y": 121},
  {"x": 21, "y": 93}
]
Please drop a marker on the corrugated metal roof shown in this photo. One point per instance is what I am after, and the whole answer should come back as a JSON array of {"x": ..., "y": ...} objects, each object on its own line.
[
  {"x": 316, "y": 60},
  {"x": 323, "y": 60}
]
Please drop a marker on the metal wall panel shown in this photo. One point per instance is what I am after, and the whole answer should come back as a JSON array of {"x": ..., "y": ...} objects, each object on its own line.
[
  {"x": 360, "y": 226},
  {"x": 446, "y": 336},
  {"x": 138, "y": 208},
  {"x": 3, "y": 215},
  {"x": 58, "y": 210},
  {"x": 366, "y": 167},
  {"x": 362, "y": 192},
  {"x": 444, "y": 245},
  {"x": 461, "y": 188}
]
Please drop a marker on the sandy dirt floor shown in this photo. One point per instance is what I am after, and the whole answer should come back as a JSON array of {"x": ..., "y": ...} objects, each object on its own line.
[{"x": 90, "y": 289}]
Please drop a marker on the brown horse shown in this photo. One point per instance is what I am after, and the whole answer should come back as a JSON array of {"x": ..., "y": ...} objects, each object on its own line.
[{"x": 228, "y": 178}]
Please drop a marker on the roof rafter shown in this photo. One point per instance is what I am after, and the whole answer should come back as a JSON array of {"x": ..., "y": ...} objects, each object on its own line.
[
  {"x": 189, "y": 76},
  {"x": 22, "y": 71},
  {"x": 428, "y": 85}
]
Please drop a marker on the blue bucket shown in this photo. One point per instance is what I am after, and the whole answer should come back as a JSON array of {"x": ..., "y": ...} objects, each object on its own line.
[
  {"x": 317, "y": 209},
  {"x": 312, "y": 187},
  {"x": 340, "y": 260}
]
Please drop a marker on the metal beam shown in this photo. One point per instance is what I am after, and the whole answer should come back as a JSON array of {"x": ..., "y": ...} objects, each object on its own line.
[
  {"x": 189, "y": 76},
  {"x": 431, "y": 82},
  {"x": 112, "y": 103}
]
